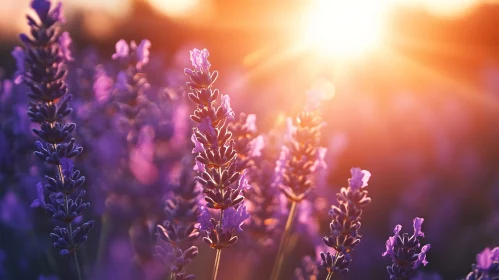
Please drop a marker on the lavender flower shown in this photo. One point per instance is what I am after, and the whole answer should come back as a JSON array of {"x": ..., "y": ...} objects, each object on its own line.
[
  {"x": 180, "y": 230},
  {"x": 345, "y": 223},
  {"x": 487, "y": 265},
  {"x": 405, "y": 251},
  {"x": 294, "y": 168},
  {"x": 44, "y": 73},
  {"x": 216, "y": 157}
]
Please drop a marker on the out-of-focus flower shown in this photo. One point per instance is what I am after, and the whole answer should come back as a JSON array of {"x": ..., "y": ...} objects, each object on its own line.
[{"x": 487, "y": 265}]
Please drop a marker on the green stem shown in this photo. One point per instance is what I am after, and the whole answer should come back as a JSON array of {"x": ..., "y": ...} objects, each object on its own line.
[
  {"x": 280, "y": 253},
  {"x": 329, "y": 275}
]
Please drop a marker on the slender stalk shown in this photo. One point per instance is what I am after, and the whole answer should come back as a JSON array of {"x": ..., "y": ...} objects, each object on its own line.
[
  {"x": 331, "y": 272},
  {"x": 216, "y": 265},
  {"x": 219, "y": 251},
  {"x": 172, "y": 275},
  {"x": 280, "y": 253}
]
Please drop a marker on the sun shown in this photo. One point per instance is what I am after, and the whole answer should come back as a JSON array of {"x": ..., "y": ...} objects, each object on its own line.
[{"x": 345, "y": 29}]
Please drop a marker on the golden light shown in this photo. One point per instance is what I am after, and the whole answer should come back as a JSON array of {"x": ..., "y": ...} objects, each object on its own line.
[
  {"x": 345, "y": 29},
  {"x": 175, "y": 8}
]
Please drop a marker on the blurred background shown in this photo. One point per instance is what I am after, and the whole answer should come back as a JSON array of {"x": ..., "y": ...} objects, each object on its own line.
[{"x": 411, "y": 90}]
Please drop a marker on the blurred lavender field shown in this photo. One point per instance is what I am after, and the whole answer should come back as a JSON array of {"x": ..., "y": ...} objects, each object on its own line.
[{"x": 408, "y": 90}]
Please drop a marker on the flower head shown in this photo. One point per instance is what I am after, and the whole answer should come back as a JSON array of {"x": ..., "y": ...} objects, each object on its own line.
[
  {"x": 122, "y": 50},
  {"x": 403, "y": 250},
  {"x": 199, "y": 60},
  {"x": 359, "y": 179},
  {"x": 234, "y": 218}
]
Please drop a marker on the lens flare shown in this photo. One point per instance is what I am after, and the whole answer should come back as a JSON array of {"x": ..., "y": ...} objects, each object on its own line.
[{"x": 345, "y": 28}]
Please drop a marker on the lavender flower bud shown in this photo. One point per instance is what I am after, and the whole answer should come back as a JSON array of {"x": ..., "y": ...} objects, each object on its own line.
[{"x": 404, "y": 251}]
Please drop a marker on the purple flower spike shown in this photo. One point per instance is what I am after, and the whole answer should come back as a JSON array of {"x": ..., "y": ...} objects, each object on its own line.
[
  {"x": 122, "y": 50},
  {"x": 417, "y": 227},
  {"x": 359, "y": 179},
  {"x": 199, "y": 60},
  {"x": 234, "y": 219}
]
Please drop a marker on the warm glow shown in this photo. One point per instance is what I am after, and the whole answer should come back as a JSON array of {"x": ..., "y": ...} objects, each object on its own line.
[
  {"x": 345, "y": 28},
  {"x": 175, "y": 8}
]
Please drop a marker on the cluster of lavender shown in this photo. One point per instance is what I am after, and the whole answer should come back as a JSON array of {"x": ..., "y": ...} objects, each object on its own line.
[
  {"x": 300, "y": 157},
  {"x": 216, "y": 158},
  {"x": 406, "y": 251},
  {"x": 345, "y": 223},
  {"x": 487, "y": 265},
  {"x": 41, "y": 66},
  {"x": 180, "y": 230}
]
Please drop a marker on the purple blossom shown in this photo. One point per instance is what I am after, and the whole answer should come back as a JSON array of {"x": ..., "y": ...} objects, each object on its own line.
[
  {"x": 229, "y": 114},
  {"x": 64, "y": 44},
  {"x": 103, "y": 85},
  {"x": 41, "y": 7},
  {"x": 204, "y": 219},
  {"x": 484, "y": 259},
  {"x": 233, "y": 219},
  {"x": 320, "y": 162},
  {"x": 198, "y": 147},
  {"x": 402, "y": 248},
  {"x": 199, "y": 60},
  {"x": 243, "y": 182},
  {"x": 418, "y": 222},
  {"x": 40, "y": 200},
  {"x": 251, "y": 123},
  {"x": 359, "y": 179},
  {"x": 18, "y": 54},
  {"x": 122, "y": 50},
  {"x": 142, "y": 53},
  {"x": 257, "y": 146}
]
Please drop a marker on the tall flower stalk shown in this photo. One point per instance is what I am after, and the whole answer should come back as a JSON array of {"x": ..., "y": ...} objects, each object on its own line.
[
  {"x": 41, "y": 66},
  {"x": 345, "y": 224},
  {"x": 300, "y": 157},
  {"x": 216, "y": 158},
  {"x": 406, "y": 251},
  {"x": 180, "y": 229}
]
